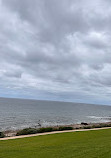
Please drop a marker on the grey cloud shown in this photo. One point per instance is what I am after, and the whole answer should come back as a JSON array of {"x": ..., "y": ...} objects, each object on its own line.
[
  {"x": 56, "y": 47},
  {"x": 51, "y": 19},
  {"x": 13, "y": 74}
]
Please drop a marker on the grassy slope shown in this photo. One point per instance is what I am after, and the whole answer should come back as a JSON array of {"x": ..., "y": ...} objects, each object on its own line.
[{"x": 90, "y": 144}]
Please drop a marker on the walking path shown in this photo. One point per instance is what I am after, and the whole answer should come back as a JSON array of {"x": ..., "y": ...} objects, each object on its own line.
[{"x": 55, "y": 132}]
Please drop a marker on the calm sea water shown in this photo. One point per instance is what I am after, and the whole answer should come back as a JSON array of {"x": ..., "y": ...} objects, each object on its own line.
[{"x": 19, "y": 113}]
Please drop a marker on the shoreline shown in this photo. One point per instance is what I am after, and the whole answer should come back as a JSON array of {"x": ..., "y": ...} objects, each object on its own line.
[
  {"x": 12, "y": 133},
  {"x": 54, "y": 132}
]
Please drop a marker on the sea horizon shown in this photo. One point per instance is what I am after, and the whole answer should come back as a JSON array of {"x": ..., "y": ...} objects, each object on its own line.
[{"x": 68, "y": 101}]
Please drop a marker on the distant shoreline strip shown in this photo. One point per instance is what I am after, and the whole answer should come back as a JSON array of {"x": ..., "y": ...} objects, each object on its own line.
[{"x": 55, "y": 132}]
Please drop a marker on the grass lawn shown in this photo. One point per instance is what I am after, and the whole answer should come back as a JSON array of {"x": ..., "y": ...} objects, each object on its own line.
[{"x": 90, "y": 144}]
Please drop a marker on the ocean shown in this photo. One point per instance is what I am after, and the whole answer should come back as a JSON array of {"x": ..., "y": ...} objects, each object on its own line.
[{"x": 21, "y": 113}]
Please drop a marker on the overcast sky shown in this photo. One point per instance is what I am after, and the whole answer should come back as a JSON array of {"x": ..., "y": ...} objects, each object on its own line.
[{"x": 56, "y": 50}]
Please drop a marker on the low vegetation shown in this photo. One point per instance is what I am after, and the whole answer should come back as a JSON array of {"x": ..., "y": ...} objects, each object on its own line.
[
  {"x": 88, "y": 144},
  {"x": 2, "y": 135},
  {"x": 100, "y": 125},
  {"x": 63, "y": 128},
  {"x": 47, "y": 129},
  {"x": 27, "y": 131}
]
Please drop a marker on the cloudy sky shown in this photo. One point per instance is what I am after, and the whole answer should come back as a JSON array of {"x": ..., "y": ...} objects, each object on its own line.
[{"x": 56, "y": 50}]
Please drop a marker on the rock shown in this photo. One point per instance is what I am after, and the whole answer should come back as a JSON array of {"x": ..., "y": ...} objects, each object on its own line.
[{"x": 84, "y": 123}]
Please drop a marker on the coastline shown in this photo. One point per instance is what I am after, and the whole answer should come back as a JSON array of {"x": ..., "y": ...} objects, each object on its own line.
[
  {"x": 49, "y": 133},
  {"x": 80, "y": 127}
]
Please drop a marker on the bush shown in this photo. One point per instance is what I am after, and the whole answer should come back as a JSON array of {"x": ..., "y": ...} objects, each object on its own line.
[
  {"x": 62, "y": 128},
  {"x": 109, "y": 125},
  {"x": 77, "y": 128},
  {"x": 106, "y": 125},
  {"x": 97, "y": 126},
  {"x": 87, "y": 127},
  {"x": 27, "y": 131},
  {"x": 100, "y": 125},
  {"x": 55, "y": 128},
  {"x": 2, "y": 135},
  {"x": 47, "y": 129}
]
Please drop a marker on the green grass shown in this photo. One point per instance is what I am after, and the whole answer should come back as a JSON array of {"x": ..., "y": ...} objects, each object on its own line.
[{"x": 90, "y": 144}]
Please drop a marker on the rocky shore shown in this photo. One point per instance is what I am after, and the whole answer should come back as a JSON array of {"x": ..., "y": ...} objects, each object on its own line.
[{"x": 83, "y": 125}]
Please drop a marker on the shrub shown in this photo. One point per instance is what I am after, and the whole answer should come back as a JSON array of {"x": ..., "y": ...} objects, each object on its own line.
[
  {"x": 47, "y": 129},
  {"x": 87, "y": 127},
  {"x": 109, "y": 125},
  {"x": 100, "y": 126},
  {"x": 106, "y": 125},
  {"x": 62, "y": 128},
  {"x": 77, "y": 128},
  {"x": 95, "y": 126},
  {"x": 27, "y": 131},
  {"x": 2, "y": 135}
]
